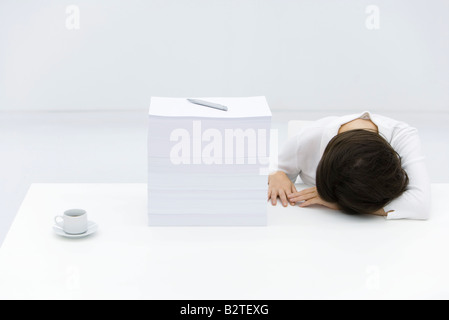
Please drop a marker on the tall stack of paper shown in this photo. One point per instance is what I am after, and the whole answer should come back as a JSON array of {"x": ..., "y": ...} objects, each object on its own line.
[{"x": 207, "y": 166}]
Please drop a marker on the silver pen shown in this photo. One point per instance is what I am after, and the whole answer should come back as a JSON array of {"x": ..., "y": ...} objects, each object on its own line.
[{"x": 208, "y": 104}]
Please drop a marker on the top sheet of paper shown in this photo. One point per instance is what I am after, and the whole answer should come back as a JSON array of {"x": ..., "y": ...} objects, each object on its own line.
[{"x": 246, "y": 107}]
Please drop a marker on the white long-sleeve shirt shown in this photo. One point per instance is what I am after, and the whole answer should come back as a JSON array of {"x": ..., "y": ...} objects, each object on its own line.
[{"x": 302, "y": 153}]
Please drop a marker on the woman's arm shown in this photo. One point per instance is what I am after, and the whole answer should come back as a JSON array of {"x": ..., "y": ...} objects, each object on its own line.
[
  {"x": 414, "y": 203},
  {"x": 288, "y": 158}
]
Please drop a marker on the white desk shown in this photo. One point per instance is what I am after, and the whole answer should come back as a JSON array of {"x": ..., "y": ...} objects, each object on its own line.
[{"x": 303, "y": 253}]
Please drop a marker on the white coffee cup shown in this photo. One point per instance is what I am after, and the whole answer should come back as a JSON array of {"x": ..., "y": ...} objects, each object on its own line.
[{"x": 73, "y": 221}]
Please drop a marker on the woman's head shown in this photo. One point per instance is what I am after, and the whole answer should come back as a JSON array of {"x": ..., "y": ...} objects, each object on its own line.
[{"x": 360, "y": 171}]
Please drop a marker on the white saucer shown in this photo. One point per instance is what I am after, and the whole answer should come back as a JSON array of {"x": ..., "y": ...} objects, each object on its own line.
[{"x": 91, "y": 228}]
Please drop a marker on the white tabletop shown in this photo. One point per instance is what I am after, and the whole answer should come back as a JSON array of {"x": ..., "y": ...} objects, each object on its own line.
[{"x": 303, "y": 253}]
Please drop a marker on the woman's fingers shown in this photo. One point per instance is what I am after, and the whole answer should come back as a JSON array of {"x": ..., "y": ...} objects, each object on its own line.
[
  {"x": 282, "y": 194},
  {"x": 308, "y": 191},
  {"x": 304, "y": 192},
  {"x": 290, "y": 195},
  {"x": 321, "y": 202},
  {"x": 301, "y": 198},
  {"x": 274, "y": 197},
  {"x": 294, "y": 188},
  {"x": 283, "y": 197},
  {"x": 308, "y": 197},
  {"x": 307, "y": 203},
  {"x": 303, "y": 195}
]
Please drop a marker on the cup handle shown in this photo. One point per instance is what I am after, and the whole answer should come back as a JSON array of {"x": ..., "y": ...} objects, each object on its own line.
[{"x": 59, "y": 223}]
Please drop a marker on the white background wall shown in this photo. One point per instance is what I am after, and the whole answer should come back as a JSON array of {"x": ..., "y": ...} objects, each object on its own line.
[{"x": 301, "y": 54}]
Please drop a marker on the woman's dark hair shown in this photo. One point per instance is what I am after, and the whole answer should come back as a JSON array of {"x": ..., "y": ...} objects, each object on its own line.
[{"x": 361, "y": 172}]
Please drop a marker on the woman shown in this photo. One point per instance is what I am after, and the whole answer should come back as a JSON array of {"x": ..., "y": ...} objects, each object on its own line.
[{"x": 360, "y": 164}]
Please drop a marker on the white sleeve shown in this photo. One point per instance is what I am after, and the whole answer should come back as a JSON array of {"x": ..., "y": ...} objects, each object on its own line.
[
  {"x": 288, "y": 158},
  {"x": 414, "y": 203}
]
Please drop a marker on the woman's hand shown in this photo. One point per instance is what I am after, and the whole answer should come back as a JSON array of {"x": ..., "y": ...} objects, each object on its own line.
[
  {"x": 381, "y": 212},
  {"x": 279, "y": 185},
  {"x": 310, "y": 196}
]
